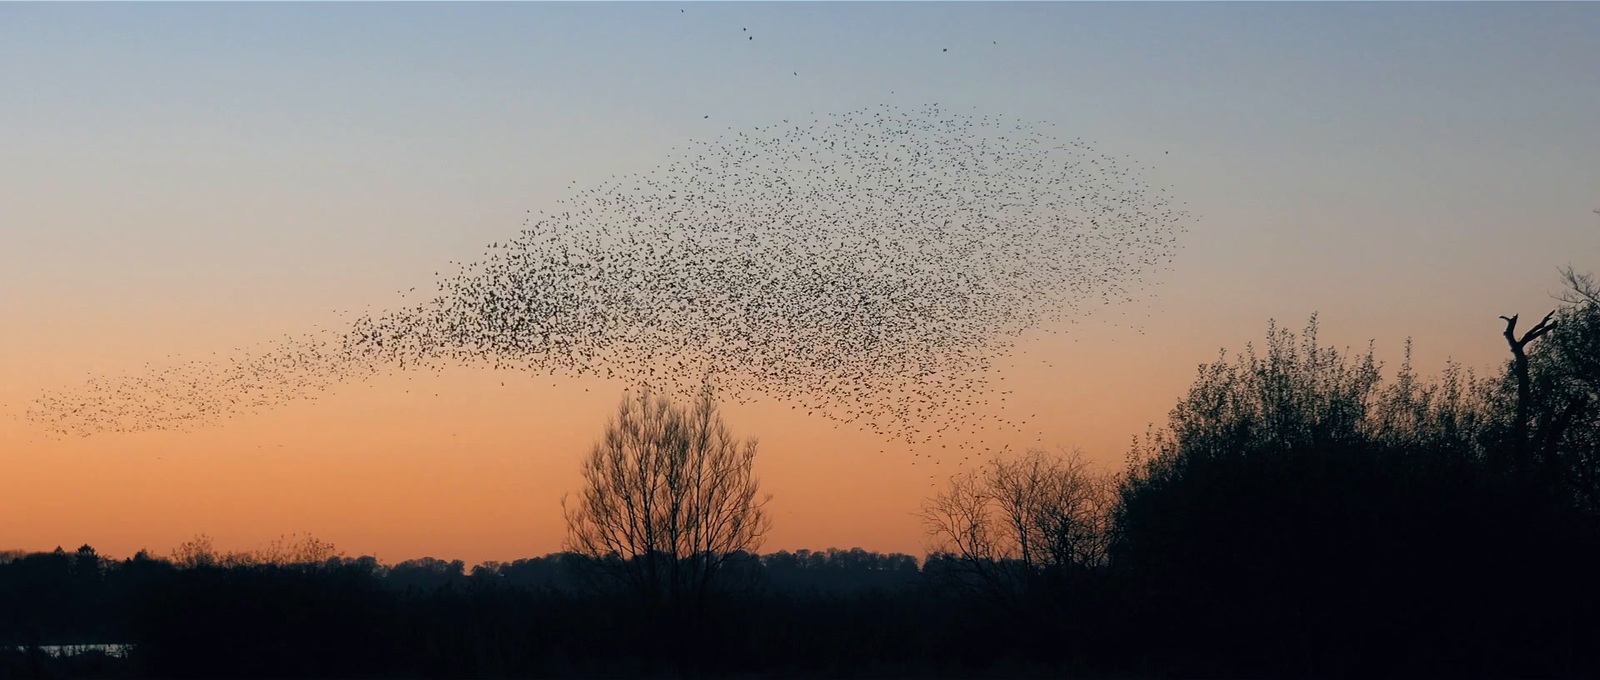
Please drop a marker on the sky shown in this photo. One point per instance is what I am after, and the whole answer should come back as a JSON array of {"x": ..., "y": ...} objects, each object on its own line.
[{"x": 183, "y": 180}]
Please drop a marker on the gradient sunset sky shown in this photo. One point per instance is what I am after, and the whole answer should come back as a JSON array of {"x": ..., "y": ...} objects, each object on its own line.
[{"x": 188, "y": 179}]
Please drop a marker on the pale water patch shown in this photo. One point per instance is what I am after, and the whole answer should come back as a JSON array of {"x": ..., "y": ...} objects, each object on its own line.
[{"x": 74, "y": 650}]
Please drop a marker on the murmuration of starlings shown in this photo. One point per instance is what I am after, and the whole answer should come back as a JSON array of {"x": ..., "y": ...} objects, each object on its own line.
[{"x": 869, "y": 267}]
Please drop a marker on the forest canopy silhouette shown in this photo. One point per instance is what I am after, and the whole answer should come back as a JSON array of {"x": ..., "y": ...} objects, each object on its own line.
[{"x": 1299, "y": 514}]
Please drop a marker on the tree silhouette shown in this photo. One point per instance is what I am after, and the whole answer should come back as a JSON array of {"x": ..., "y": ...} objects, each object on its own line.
[
  {"x": 296, "y": 549},
  {"x": 1563, "y": 405},
  {"x": 196, "y": 552},
  {"x": 1519, "y": 371},
  {"x": 1005, "y": 526},
  {"x": 670, "y": 497},
  {"x": 1246, "y": 527},
  {"x": 1580, "y": 287}
]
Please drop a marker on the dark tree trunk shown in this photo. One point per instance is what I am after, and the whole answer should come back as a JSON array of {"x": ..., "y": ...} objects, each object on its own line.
[{"x": 1519, "y": 429}]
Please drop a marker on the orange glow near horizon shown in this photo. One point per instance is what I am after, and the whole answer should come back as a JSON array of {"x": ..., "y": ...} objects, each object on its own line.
[{"x": 471, "y": 464}]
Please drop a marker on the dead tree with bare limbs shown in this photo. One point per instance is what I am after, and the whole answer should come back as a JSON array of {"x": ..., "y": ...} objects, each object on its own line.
[{"x": 1519, "y": 369}]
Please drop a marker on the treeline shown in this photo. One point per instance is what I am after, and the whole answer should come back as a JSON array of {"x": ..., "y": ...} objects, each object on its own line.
[
  {"x": 197, "y": 614},
  {"x": 61, "y": 595},
  {"x": 1299, "y": 515}
]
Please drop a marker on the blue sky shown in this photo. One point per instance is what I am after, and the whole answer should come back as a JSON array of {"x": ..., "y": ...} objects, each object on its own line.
[{"x": 1431, "y": 160}]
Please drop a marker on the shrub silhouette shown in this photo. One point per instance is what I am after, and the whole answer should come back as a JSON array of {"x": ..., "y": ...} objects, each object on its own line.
[{"x": 1295, "y": 517}]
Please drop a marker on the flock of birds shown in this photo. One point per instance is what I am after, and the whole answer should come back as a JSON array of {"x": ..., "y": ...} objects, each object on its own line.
[{"x": 869, "y": 267}]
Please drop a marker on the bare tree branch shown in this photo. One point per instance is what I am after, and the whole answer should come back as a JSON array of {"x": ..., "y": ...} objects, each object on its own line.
[
  {"x": 670, "y": 494},
  {"x": 1519, "y": 369},
  {"x": 1580, "y": 288},
  {"x": 1007, "y": 525}
]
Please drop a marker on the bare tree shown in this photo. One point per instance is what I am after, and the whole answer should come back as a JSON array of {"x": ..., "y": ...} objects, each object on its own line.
[
  {"x": 196, "y": 552},
  {"x": 962, "y": 525},
  {"x": 201, "y": 551},
  {"x": 1581, "y": 288},
  {"x": 1013, "y": 522},
  {"x": 295, "y": 549},
  {"x": 670, "y": 496},
  {"x": 1519, "y": 368},
  {"x": 1072, "y": 523}
]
